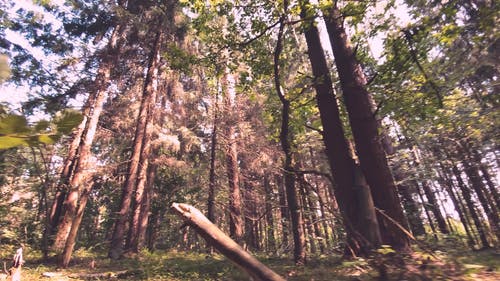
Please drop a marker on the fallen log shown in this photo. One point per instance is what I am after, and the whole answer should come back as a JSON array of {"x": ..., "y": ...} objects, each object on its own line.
[{"x": 225, "y": 245}]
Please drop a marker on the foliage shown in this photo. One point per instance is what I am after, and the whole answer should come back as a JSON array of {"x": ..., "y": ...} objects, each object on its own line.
[
  {"x": 15, "y": 131},
  {"x": 435, "y": 87},
  {"x": 172, "y": 265}
]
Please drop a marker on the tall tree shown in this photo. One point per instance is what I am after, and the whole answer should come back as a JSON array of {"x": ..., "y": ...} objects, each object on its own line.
[
  {"x": 286, "y": 140},
  {"x": 140, "y": 149},
  {"x": 236, "y": 226},
  {"x": 352, "y": 194},
  {"x": 365, "y": 128},
  {"x": 79, "y": 185}
]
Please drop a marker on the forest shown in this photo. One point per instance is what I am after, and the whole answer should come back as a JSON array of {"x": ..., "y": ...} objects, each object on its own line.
[{"x": 249, "y": 140}]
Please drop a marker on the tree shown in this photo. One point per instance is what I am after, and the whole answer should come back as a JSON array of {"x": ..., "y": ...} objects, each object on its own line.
[
  {"x": 138, "y": 166},
  {"x": 356, "y": 207},
  {"x": 286, "y": 140},
  {"x": 236, "y": 227},
  {"x": 365, "y": 128}
]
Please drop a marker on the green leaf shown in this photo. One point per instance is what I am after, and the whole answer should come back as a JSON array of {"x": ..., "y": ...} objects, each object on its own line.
[
  {"x": 68, "y": 120},
  {"x": 10, "y": 142},
  {"x": 42, "y": 125},
  {"x": 12, "y": 124},
  {"x": 47, "y": 139}
]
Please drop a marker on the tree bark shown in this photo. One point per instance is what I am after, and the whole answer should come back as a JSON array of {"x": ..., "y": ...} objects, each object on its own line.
[
  {"x": 268, "y": 192},
  {"x": 146, "y": 207},
  {"x": 487, "y": 177},
  {"x": 57, "y": 208},
  {"x": 479, "y": 188},
  {"x": 79, "y": 181},
  {"x": 225, "y": 245},
  {"x": 284, "y": 214},
  {"x": 286, "y": 140},
  {"x": 71, "y": 240},
  {"x": 338, "y": 152},
  {"x": 213, "y": 154},
  {"x": 426, "y": 209},
  {"x": 407, "y": 189},
  {"x": 412, "y": 210},
  {"x": 142, "y": 176},
  {"x": 445, "y": 181},
  {"x": 315, "y": 221},
  {"x": 466, "y": 194},
  {"x": 309, "y": 234},
  {"x": 116, "y": 247},
  {"x": 434, "y": 207},
  {"x": 63, "y": 215},
  {"x": 232, "y": 169},
  {"x": 365, "y": 128},
  {"x": 317, "y": 188}
]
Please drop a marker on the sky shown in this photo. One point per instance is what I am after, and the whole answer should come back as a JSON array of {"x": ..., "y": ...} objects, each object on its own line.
[{"x": 16, "y": 95}]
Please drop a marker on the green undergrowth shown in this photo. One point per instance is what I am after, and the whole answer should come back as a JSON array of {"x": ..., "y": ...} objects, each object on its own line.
[{"x": 454, "y": 264}]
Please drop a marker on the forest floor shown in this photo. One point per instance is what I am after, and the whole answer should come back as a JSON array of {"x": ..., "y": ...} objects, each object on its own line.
[{"x": 452, "y": 264}]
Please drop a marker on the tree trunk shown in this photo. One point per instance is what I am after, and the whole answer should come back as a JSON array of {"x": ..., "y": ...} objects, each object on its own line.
[
  {"x": 225, "y": 245},
  {"x": 62, "y": 216},
  {"x": 487, "y": 177},
  {"x": 71, "y": 240},
  {"x": 157, "y": 217},
  {"x": 309, "y": 234},
  {"x": 324, "y": 220},
  {"x": 79, "y": 181},
  {"x": 472, "y": 209},
  {"x": 445, "y": 181},
  {"x": 315, "y": 221},
  {"x": 426, "y": 209},
  {"x": 412, "y": 210},
  {"x": 141, "y": 188},
  {"x": 146, "y": 207},
  {"x": 434, "y": 207},
  {"x": 317, "y": 188},
  {"x": 286, "y": 140},
  {"x": 268, "y": 193},
  {"x": 338, "y": 153},
  {"x": 232, "y": 169},
  {"x": 291, "y": 196},
  {"x": 116, "y": 247},
  {"x": 250, "y": 217},
  {"x": 17, "y": 262},
  {"x": 284, "y": 213},
  {"x": 57, "y": 208},
  {"x": 477, "y": 184},
  {"x": 213, "y": 154},
  {"x": 466, "y": 214},
  {"x": 471, "y": 162},
  {"x": 365, "y": 128}
]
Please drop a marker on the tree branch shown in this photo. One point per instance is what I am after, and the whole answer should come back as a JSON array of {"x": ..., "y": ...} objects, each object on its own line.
[{"x": 225, "y": 245}]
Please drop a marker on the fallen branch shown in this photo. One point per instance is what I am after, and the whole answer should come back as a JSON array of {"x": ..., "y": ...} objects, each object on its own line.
[
  {"x": 122, "y": 274},
  {"x": 15, "y": 270},
  {"x": 105, "y": 275},
  {"x": 225, "y": 245}
]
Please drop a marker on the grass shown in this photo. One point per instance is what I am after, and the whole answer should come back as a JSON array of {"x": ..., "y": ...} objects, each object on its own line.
[{"x": 454, "y": 264}]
